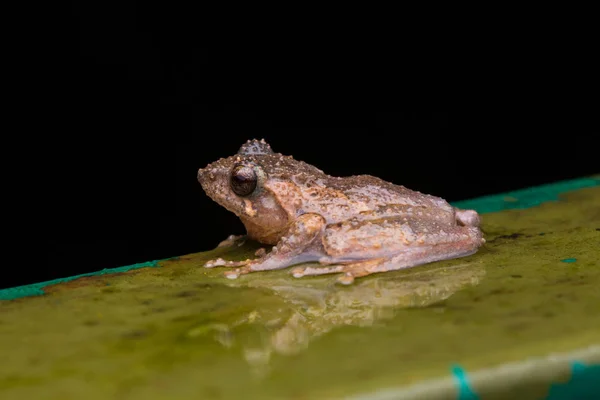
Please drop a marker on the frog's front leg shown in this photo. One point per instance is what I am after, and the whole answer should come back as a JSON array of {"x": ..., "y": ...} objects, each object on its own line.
[{"x": 298, "y": 245}]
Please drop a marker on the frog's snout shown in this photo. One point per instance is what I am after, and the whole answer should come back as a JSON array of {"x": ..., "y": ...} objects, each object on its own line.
[
  {"x": 201, "y": 175},
  {"x": 206, "y": 176}
]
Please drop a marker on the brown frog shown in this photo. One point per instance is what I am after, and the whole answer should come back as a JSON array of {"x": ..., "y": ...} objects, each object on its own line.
[{"x": 356, "y": 226}]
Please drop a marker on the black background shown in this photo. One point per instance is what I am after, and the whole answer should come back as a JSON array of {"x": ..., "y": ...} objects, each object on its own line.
[{"x": 137, "y": 102}]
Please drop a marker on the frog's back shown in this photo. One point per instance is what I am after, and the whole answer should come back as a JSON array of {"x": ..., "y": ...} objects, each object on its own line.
[
  {"x": 376, "y": 191},
  {"x": 369, "y": 197}
]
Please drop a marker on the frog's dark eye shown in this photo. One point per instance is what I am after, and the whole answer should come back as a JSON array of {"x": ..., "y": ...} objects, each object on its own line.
[{"x": 243, "y": 180}]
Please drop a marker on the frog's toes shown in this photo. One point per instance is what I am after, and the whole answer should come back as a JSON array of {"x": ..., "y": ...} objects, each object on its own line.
[
  {"x": 214, "y": 263},
  {"x": 234, "y": 274},
  {"x": 218, "y": 262},
  {"x": 346, "y": 279},
  {"x": 260, "y": 252},
  {"x": 299, "y": 272},
  {"x": 231, "y": 274}
]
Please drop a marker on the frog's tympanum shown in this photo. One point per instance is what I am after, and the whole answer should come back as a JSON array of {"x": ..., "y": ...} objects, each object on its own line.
[{"x": 355, "y": 226}]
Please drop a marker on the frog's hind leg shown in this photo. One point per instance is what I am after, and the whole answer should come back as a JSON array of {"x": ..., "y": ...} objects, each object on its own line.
[{"x": 411, "y": 257}]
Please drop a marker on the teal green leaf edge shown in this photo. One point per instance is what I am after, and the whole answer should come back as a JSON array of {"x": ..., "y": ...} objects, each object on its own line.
[
  {"x": 522, "y": 198},
  {"x": 526, "y": 198},
  {"x": 582, "y": 367},
  {"x": 465, "y": 392},
  {"x": 583, "y": 383},
  {"x": 37, "y": 289}
]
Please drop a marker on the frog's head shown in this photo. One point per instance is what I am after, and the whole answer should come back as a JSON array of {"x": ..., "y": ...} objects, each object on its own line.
[{"x": 258, "y": 186}]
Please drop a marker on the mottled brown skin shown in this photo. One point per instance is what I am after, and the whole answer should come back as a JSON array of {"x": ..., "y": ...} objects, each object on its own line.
[{"x": 355, "y": 225}]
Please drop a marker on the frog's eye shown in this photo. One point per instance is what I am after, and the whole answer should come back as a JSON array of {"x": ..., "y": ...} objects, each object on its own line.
[{"x": 243, "y": 180}]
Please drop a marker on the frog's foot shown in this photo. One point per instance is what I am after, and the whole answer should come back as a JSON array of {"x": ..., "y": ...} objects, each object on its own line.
[
  {"x": 349, "y": 271},
  {"x": 219, "y": 262}
]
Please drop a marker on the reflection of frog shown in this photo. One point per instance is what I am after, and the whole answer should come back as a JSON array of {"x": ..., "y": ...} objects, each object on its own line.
[
  {"x": 356, "y": 225},
  {"x": 301, "y": 311},
  {"x": 318, "y": 311}
]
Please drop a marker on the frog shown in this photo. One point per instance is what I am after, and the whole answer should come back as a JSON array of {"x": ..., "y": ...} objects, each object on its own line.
[{"x": 352, "y": 226}]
